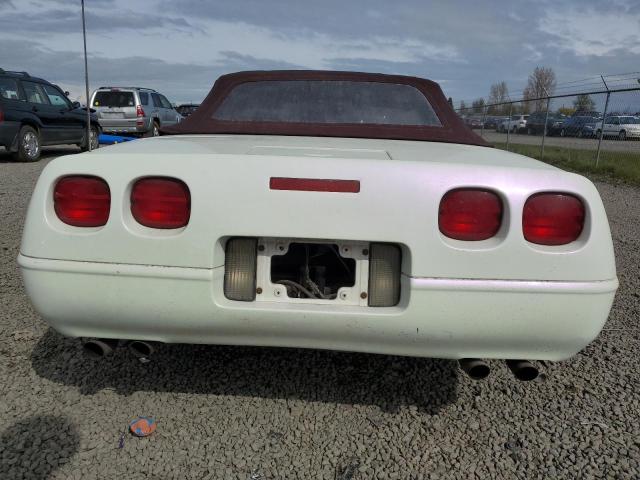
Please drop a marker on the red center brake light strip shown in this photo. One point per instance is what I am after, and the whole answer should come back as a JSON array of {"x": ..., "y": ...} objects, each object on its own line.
[{"x": 314, "y": 185}]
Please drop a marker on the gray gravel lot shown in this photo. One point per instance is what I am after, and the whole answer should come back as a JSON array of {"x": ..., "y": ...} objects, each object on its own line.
[
  {"x": 261, "y": 413},
  {"x": 608, "y": 144}
]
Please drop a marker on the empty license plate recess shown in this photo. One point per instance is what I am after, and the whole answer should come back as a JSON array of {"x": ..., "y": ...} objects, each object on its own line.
[{"x": 332, "y": 272}]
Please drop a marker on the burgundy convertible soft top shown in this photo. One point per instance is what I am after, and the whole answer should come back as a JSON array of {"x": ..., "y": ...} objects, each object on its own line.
[{"x": 210, "y": 118}]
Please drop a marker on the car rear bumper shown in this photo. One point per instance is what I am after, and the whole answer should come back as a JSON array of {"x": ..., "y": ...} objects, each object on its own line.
[
  {"x": 8, "y": 132},
  {"x": 124, "y": 125},
  {"x": 446, "y": 318}
]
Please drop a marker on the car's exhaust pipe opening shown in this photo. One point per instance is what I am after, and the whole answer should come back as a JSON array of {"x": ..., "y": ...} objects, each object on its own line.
[
  {"x": 141, "y": 348},
  {"x": 474, "y": 367},
  {"x": 99, "y": 347},
  {"x": 523, "y": 370}
]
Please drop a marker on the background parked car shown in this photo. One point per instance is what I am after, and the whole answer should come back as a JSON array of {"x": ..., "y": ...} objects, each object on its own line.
[
  {"x": 588, "y": 113},
  {"x": 187, "y": 109},
  {"x": 516, "y": 123},
  {"x": 473, "y": 122},
  {"x": 34, "y": 113},
  {"x": 133, "y": 110},
  {"x": 579, "y": 126},
  {"x": 494, "y": 122},
  {"x": 620, "y": 126},
  {"x": 589, "y": 129},
  {"x": 536, "y": 123}
]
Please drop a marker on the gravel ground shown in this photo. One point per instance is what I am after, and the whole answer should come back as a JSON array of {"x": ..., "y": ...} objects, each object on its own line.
[
  {"x": 260, "y": 413},
  {"x": 608, "y": 144}
]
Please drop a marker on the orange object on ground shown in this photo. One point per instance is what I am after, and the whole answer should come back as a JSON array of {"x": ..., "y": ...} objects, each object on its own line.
[{"x": 143, "y": 426}]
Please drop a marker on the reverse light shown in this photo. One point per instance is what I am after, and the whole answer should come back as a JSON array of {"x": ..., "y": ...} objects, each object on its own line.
[
  {"x": 470, "y": 214},
  {"x": 240, "y": 269},
  {"x": 384, "y": 275},
  {"x": 82, "y": 201},
  {"x": 160, "y": 202},
  {"x": 552, "y": 218}
]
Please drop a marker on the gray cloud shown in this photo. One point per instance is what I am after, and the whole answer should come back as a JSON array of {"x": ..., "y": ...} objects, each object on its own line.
[
  {"x": 467, "y": 23},
  {"x": 234, "y": 61},
  {"x": 498, "y": 41},
  {"x": 467, "y": 45},
  {"x": 99, "y": 19},
  {"x": 179, "y": 81},
  {"x": 76, "y": 4}
]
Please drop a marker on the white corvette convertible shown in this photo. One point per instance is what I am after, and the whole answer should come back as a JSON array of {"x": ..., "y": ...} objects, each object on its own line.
[{"x": 330, "y": 210}]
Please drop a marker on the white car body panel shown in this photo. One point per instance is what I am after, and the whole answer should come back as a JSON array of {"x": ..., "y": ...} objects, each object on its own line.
[{"x": 498, "y": 298}]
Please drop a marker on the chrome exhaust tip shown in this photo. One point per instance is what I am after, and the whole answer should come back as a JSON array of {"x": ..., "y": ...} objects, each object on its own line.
[
  {"x": 141, "y": 348},
  {"x": 99, "y": 347},
  {"x": 474, "y": 367},
  {"x": 523, "y": 370}
]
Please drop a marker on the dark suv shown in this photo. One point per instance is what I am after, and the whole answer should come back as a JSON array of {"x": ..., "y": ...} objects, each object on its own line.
[
  {"x": 187, "y": 109},
  {"x": 580, "y": 126},
  {"x": 34, "y": 112},
  {"x": 535, "y": 124}
]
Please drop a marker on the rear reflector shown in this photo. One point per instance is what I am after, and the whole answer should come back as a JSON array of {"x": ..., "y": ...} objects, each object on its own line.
[
  {"x": 240, "y": 269},
  {"x": 552, "y": 218},
  {"x": 314, "y": 185},
  {"x": 159, "y": 202},
  {"x": 384, "y": 275},
  {"x": 82, "y": 201},
  {"x": 470, "y": 214}
]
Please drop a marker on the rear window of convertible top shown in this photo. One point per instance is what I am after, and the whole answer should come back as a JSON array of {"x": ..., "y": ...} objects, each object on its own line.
[{"x": 327, "y": 101}]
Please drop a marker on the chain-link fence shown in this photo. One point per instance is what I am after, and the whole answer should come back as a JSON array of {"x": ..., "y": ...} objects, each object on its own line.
[{"x": 593, "y": 130}]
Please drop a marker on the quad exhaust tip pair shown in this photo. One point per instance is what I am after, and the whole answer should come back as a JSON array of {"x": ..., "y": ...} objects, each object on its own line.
[
  {"x": 474, "y": 367},
  {"x": 102, "y": 347},
  {"x": 478, "y": 369}
]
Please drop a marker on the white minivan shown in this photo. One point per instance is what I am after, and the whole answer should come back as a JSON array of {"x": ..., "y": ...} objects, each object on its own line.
[{"x": 620, "y": 126}]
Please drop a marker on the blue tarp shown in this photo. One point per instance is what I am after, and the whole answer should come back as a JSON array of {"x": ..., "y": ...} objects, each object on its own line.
[{"x": 111, "y": 139}]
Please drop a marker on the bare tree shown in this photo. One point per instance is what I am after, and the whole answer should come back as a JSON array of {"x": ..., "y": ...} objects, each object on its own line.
[
  {"x": 541, "y": 83},
  {"x": 498, "y": 93},
  {"x": 525, "y": 107},
  {"x": 584, "y": 103},
  {"x": 463, "y": 107},
  {"x": 478, "y": 105}
]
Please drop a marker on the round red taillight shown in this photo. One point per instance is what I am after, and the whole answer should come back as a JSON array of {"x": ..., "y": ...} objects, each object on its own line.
[
  {"x": 470, "y": 214},
  {"x": 552, "y": 218},
  {"x": 82, "y": 201},
  {"x": 160, "y": 202}
]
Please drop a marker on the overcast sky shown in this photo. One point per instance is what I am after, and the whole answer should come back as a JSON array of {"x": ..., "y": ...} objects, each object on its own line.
[{"x": 180, "y": 47}]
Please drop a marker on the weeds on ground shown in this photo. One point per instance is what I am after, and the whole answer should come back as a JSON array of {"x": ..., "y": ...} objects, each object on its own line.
[{"x": 619, "y": 165}]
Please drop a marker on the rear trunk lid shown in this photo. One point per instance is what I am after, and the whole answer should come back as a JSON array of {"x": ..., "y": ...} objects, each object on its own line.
[{"x": 401, "y": 186}]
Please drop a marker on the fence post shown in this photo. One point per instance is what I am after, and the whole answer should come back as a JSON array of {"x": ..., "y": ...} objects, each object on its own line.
[
  {"x": 509, "y": 125},
  {"x": 544, "y": 129},
  {"x": 484, "y": 116},
  {"x": 604, "y": 114}
]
